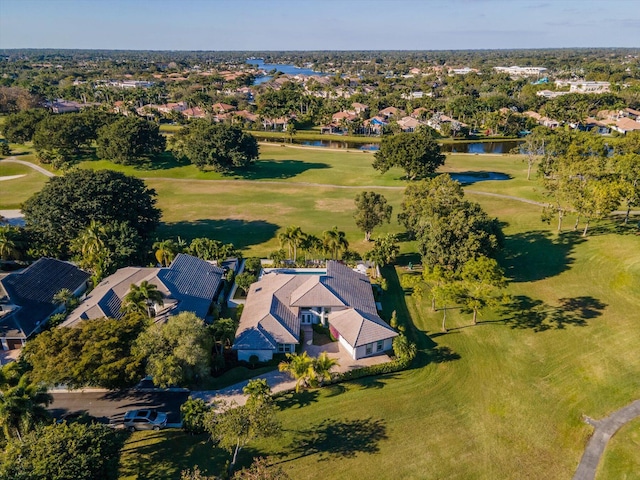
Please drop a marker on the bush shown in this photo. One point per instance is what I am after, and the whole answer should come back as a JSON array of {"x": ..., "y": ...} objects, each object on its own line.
[
  {"x": 253, "y": 265},
  {"x": 253, "y": 360},
  {"x": 193, "y": 412}
]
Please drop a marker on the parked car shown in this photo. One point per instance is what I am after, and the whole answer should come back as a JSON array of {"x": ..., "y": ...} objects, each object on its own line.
[{"x": 149, "y": 419}]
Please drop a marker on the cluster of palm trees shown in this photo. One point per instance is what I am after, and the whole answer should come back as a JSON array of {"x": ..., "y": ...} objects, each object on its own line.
[
  {"x": 308, "y": 371},
  {"x": 11, "y": 245},
  {"x": 333, "y": 243}
]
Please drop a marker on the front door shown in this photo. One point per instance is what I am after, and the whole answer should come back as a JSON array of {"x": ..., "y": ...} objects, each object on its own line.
[{"x": 307, "y": 318}]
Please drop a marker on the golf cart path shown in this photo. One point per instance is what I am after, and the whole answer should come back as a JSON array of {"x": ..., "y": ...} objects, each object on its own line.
[
  {"x": 604, "y": 430},
  {"x": 30, "y": 165}
]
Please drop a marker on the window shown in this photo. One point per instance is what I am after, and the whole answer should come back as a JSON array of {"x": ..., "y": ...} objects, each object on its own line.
[
  {"x": 287, "y": 348},
  {"x": 369, "y": 348},
  {"x": 379, "y": 346},
  {"x": 280, "y": 348}
]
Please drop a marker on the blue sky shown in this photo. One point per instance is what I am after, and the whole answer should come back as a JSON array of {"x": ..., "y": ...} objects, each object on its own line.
[{"x": 318, "y": 24}]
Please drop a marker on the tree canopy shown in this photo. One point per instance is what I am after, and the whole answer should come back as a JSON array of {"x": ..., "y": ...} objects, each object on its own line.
[
  {"x": 418, "y": 154},
  {"x": 177, "y": 352},
  {"x": 20, "y": 127},
  {"x": 129, "y": 140},
  {"x": 372, "y": 210},
  {"x": 65, "y": 206},
  {"x": 450, "y": 230},
  {"x": 64, "y": 451},
  {"x": 220, "y": 146},
  {"x": 98, "y": 353}
]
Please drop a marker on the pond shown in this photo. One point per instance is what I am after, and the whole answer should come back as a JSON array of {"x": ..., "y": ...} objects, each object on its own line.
[
  {"x": 280, "y": 67},
  {"x": 468, "y": 178},
  {"x": 477, "y": 148}
]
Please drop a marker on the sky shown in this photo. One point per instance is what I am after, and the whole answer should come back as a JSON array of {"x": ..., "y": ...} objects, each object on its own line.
[{"x": 260, "y": 25}]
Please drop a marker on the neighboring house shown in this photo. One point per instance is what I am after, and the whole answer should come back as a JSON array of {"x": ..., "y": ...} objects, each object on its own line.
[
  {"x": 26, "y": 298},
  {"x": 545, "y": 121},
  {"x": 359, "y": 108},
  {"x": 279, "y": 304},
  {"x": 375, "y": 125},
  {"x": 222, "y": 108},
  {"x": 626, "y": 124},
  {"x": 343, "y": 116},
  {"x": 517, "y": 71},
  {"x": 195, "y": 112},
  {"x": 389, "y": 112},
  {"x": 189, "y": 284},
  {"x": 409, "y": 124}
]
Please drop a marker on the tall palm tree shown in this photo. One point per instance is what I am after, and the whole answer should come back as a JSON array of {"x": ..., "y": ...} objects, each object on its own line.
[
  {"x": 23, "y": 406},
  {"x": 293, "y": 238},
  {"x": 141, "y": 298},
  {"x": 334, "y": 242},
  {"x": 322, "y": 368},
  {"x": 300, "y": 367}
]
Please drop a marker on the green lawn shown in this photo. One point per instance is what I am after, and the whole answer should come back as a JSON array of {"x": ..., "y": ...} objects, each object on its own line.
[
  {"x": 14, "y": 192},
  {"x": 621, "y": 459}
]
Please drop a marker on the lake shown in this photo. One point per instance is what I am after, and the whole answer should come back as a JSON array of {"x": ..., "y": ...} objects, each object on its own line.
[
  {"x": 496, "y": 147},
  {"x": 281, "y": 67}
]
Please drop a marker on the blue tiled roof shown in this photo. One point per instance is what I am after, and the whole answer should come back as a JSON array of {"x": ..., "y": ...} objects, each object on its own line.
[{"x": 33, "y": 290}]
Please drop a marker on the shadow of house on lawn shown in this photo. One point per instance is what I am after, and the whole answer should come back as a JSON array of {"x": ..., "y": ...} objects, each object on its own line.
[
  {"x": 334, "y": 438},
  {"x": 242, "y": 233},
  {"x": 537, "y": 255},
  {"x": 277, "y": 169},
  {"x": 524, "y": 312}
]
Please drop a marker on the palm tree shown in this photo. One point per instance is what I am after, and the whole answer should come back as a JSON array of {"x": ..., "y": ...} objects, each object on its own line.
[
  {"x": 63, "y": 297},
  {"x": 22, "y": 406},
  {"x": 9, "y": 245},
  {"x": 166, "y": 251},
  {"x": 141, "y": 298},
  {"x": 300, "y": 367},
  {"x": 334, "y": 242},
  {"x": 91, "y": 240},
  {"x": 322, "y": 367}
]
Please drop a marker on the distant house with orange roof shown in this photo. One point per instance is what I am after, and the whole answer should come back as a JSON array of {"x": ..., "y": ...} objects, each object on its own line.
[{"x": 223, "y": 108}]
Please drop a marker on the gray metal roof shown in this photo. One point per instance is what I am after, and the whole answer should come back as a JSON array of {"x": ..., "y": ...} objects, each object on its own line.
[
  {"x": 189, "y": 284},
  {"x": 33, "y": 288}
]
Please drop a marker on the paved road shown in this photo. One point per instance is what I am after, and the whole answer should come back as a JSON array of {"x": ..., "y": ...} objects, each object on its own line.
[
  {"x": 109, "y": 407},
  {"x": 604, "y": 430}
]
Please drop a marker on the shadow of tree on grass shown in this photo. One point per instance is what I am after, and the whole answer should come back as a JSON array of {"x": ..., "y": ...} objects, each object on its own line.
[
  {"x": 242, "y": 233},
  {"x": 334, "y": 438},
  {"x": 524, "y": 312},
  {"x": 537, "y": 255},
  {"x": 301, "y": 399},
  {"x": 276, "y": 169}
]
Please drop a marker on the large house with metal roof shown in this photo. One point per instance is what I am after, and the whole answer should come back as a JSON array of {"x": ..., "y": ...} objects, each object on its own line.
[
  {"x": 26, "y": 298},
  {"x": 189, "y": 284},
  {"x": 280, "y": 304}
]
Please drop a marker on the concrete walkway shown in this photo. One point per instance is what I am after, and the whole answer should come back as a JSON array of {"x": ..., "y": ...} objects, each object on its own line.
[
  {"x": 604, "y": 430},
  {"x": 28, "y": 164}
]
